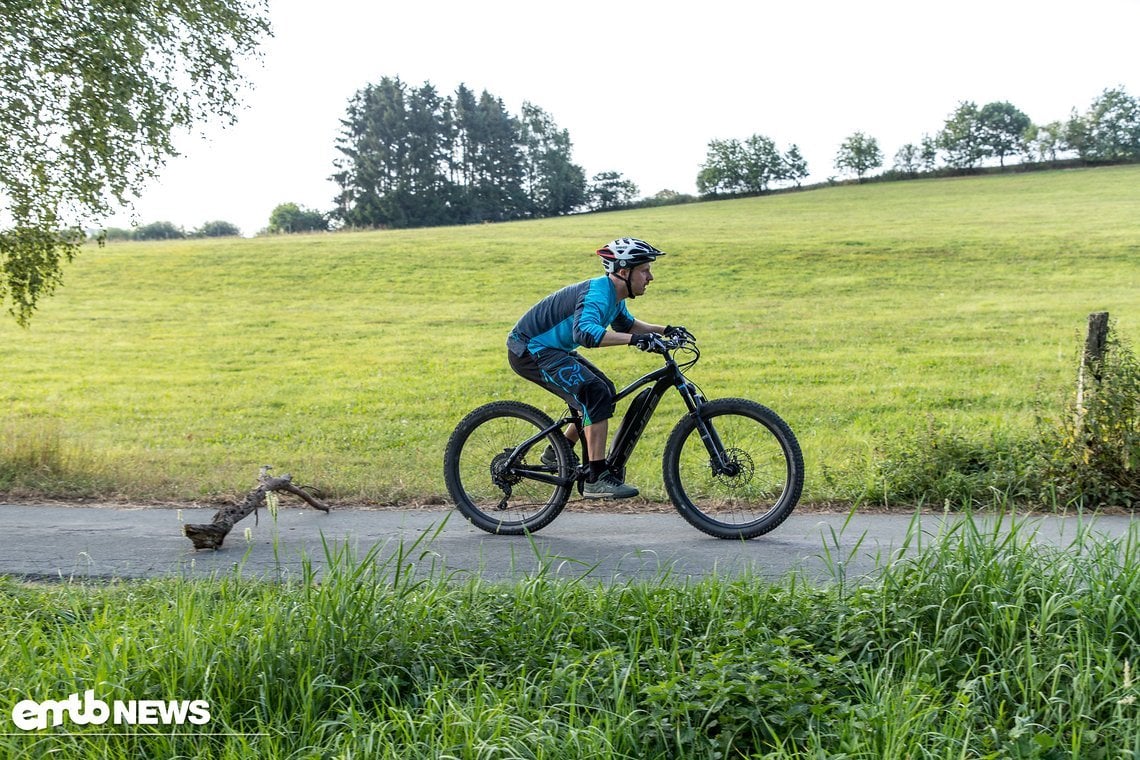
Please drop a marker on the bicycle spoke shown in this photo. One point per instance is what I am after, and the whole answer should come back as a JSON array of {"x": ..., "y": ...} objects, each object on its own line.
[
  {"x": 497, "y": 486},
  {"x": 758, "y": 483}
]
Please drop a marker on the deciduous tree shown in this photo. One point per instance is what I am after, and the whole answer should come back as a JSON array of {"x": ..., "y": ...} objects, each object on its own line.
[
  {"x": 795, "y": 165},
  {"x": 1109, "y": 130},
  {"x": 91, "y": 96},
  {"x": 907, "y": 160},
  {"x": 928, "y": 153},
  {"x": 217, "y": 229},
  {"x": 762, "y": 164},
  {"x": 289, "y": 217},
  {"x": 961, "y": 137},
  {"x": 1002, "y": 128},
  {"x": 610, "y": 190},
  {"x": 159, "y": 231},
  {"x": 859, "y": 153},
  {"x": 1046, "y": 140},
  {"x": 723, "y": 169}
]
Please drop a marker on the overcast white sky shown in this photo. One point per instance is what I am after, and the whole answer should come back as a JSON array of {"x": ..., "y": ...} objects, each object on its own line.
[{"x": 642, "y": 86}]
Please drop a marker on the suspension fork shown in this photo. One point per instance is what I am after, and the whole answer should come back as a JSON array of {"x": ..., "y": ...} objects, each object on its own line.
[{"x": 719, "y": 460}]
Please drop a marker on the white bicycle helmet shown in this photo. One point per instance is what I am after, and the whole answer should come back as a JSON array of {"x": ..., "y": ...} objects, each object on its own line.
[{"x": 626, "y": 253}]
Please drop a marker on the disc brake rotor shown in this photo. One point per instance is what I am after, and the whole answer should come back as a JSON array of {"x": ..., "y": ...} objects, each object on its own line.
[
  {"x": 744, "y": 468},
  {"x": 502, "y": 474}
]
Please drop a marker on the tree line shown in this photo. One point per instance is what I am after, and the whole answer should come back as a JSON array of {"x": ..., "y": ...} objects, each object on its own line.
[
  {"x": 1108, "y": 131},
  {"x": 748, "y": 166},
  {"x": 412, "y": 157},
  {"x": 171, "y": 231},
  {"x": 285, "y": 218}
]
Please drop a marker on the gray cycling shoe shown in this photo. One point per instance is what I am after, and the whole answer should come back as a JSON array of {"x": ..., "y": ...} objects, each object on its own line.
[
  {"x": 607, "y": 486},
  {"x": 550, "y": 459}
]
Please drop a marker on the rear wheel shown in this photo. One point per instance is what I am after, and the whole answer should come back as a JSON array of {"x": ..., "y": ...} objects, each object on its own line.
[
  {"x": 497, "y": 488},
  {"x": 763, "y": 479}
]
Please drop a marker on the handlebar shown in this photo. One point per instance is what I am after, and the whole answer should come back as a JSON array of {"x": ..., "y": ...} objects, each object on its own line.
[
  {"x": 663, "y": 345},
  {"x": 673, "y": 339}
]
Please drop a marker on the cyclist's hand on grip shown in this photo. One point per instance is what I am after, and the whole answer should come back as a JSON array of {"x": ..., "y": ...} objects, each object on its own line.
[
  {"x": 678, "y": 333},
  {"x": 644, "y": 341}
]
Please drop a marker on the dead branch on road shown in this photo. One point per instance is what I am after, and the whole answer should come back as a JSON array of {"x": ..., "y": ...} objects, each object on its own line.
[{"x": 210, "y": 535}]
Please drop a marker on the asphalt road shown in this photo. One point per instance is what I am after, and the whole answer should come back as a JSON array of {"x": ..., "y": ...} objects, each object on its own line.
[{"x": 67, "y": 542}]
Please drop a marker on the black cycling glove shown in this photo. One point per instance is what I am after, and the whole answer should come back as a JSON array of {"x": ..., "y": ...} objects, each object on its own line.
[
  {"x": 644, "y": 341},
  {"x": 676, "y": 331}
]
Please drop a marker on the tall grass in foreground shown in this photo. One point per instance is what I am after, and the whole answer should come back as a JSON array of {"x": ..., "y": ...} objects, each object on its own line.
[{"x": 979, "y": 643}]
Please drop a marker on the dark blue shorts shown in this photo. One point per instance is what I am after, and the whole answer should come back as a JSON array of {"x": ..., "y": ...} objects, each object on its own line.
[{"x": 570, "y": 377}]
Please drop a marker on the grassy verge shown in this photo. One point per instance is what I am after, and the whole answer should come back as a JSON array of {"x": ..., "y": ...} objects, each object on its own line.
[
  {"x": 980, "y": 643},
  {"x": 173, "y": 370}
]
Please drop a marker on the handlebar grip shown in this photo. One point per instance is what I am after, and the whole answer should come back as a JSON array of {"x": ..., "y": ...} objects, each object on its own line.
[
  {"x": 674, "y": 343},
  {"x": 661, "y": 344}
]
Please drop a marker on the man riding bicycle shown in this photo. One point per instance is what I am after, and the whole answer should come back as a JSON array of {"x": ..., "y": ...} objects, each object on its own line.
[{"x": 542, "y": 349}]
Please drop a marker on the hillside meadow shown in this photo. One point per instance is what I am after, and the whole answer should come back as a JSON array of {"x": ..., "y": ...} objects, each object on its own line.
[{"x": 172, "y": 370}]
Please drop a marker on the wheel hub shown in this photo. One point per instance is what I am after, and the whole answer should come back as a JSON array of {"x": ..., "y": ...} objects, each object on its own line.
[
  {"x": 738, "y": 471},
  {"x": 502, "y": 471}
]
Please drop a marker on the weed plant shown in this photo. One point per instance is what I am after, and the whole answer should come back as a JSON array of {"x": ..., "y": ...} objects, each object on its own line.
[
  {"x": 977, "y": 642},
  {"x": 1082, "y": 455},
  {"x": 1092, "y": 450},
  {"x": 942, "y": 466}
]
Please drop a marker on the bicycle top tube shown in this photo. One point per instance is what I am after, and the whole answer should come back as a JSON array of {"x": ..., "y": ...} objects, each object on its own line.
[
  {"x": 646, "y": 379},
  {"x": 670, "y": 370}
]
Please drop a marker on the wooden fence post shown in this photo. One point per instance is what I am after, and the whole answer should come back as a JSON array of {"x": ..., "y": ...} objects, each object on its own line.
[{"x": 1088, "y": 377}]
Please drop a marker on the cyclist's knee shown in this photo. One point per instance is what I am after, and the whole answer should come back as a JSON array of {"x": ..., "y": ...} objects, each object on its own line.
[{"x": 598, "y": 400}]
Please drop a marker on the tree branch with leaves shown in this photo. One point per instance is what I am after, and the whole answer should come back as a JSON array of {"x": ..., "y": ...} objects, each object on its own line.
[{"x": 91, "y": 97}]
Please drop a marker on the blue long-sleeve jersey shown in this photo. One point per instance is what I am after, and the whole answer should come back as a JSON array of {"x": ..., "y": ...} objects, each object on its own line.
[{"x": 577, "y": 315}]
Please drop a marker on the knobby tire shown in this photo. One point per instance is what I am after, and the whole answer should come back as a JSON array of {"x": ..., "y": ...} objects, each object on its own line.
[
  {"x": 478, "y": 476},
  {"x": 754, "y": 500}
]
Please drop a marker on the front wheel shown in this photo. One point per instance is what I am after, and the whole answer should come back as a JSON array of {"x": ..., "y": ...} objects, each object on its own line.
[
  {"x": 497, "y": 483},
  {"x": 761, "y": 483}
]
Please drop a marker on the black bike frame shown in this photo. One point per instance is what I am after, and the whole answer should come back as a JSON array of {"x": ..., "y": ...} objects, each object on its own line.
[{"x": 656, "y": 384}]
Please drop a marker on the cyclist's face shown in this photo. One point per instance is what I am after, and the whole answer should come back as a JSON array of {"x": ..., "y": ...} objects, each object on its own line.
[{"x": 640, "y": 277}]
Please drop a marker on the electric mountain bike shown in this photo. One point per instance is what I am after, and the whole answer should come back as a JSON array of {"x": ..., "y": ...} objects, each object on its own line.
[{"x": 731, "y": 467}]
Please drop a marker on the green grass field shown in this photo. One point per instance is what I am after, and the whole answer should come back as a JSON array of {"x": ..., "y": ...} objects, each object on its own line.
[{"x": 173, "y": 370}]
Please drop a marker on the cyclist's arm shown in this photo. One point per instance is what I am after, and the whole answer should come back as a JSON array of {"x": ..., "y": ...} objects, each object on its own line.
[
  {"x": 590, "y": 329},
  {"x": 614, "y": 338},
  {"x": 643, "y": 327}
]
